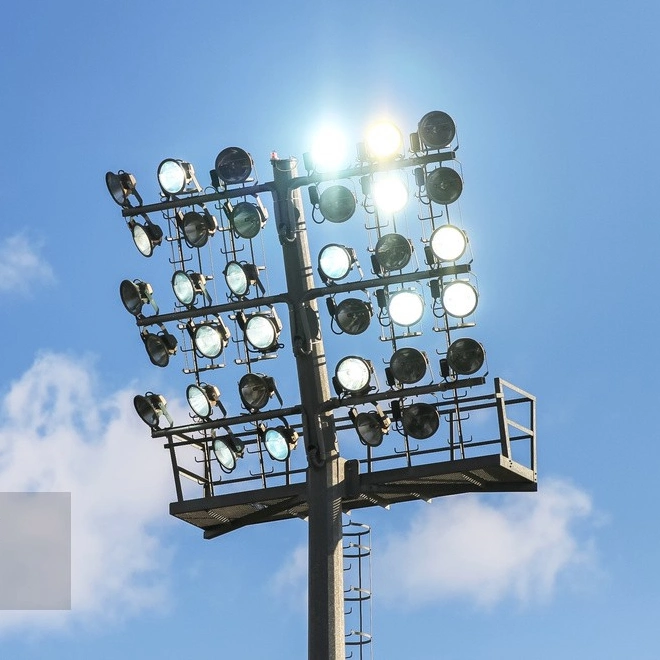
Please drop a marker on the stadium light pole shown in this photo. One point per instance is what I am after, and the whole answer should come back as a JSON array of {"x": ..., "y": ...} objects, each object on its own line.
[{"x": 327, "y": 482}]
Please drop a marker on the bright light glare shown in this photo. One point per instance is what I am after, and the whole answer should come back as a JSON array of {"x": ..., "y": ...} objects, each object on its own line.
[
  {"x": 330, "y": 149},
  {"x": 459, "y": 298},
  {"x": 406, "y": 307},
  {"x": 390, "y": 193},
  {"x": 383, "y": 140},
  {"x": 448, "y": 243}
]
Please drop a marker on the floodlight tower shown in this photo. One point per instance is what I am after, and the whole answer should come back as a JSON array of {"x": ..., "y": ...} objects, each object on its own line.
[{"x": 365, "y": 444}]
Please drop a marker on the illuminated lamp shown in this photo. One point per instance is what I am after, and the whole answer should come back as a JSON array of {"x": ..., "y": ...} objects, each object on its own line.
[
  {"x": 459, "y": 298},
  {"x": 135, "y": 294},
  {"x": 279, "y": 441},
  {"x": 337, "y": 203},
  {"x": 353, "y": 375},
  {"x": 202, "y": 398},
  {"x": 121, "y": 186},
  {"x": 228, "y": 449},
  {"x": 256, "y": 390},
  {"x": 197, "y": 227},
  {"x": 150, "y": 407},
  {"x": 262, "y": 331},
  {"x": 389, "y": 193},
  {"x": 174, "y": 175},
  {"x": 187, "y": 286},
  {"x": 335, "y": 262},
  {"x": 405, "y": 307},
  {"x": 159, "y": 346},
  {"x": 444, "y": 185},
  {"x": 352, "y": 315},
  {"x": 408, "y": 366},
  {"x": 466, "y": 356},
  {"x": 210, "y": 338},
  {"x": 240, "y": 277},
  {"x": 383, "y": 141},
  {"x": 420, "y": 420},
  {"x": 246, "y": 218},
  {"x": 393, "y": 252},
  {"x": 146, "y": 236},
  {"x": 233, "y": 165},
  {"x": 329, "y": 150},
  {"x": 448, "y": 243},
  {"x": 436, "y": 129},
  {"x": 370, "y": 426}
]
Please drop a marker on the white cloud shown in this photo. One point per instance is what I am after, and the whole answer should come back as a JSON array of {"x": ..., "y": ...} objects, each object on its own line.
[
  {"x": 21, "y": 265},
  {"x": 59, "y": 431},
  {"x": 484, "y": 552},
  {"x": 290, "y": 581}
]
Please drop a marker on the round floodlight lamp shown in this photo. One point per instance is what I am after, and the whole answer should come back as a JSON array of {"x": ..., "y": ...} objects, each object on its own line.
[
  {"x": 466, "y": 356},
  {"x": 233, "y": 165},
  {"x": 335, "y": 262},
  {"x": 210, "y": 339},
  {"x": 393, "y": 252},
  {"x": 389, "y": 193},
  {"x": 337, "y": 203},
  {"x": 159, "y": 347},
  {"x": 202, "y": 398},
  {"x": 146, "y": 237},
  {"x": 459, "y": 298},
  {"x": 420, "y": 420},
  {"x": 120, "y": 186},
  {"x": 174, "y": 175},
  {"x": 448, "y": 243},
  {"x": 444, "y": 185},
  {"x": 134, "y": 295},
  {"x": 408, "y": 365},
  {"x": 255, "y": 390},
  {"x": 329, "y": 150},
  {"x": 370, "y": 428},
  {"x": 436, "y": 129},
  {"x": 246, "y": 219},
  {"x": 183, "y": 287},
  {"x": 353, "y": 316},
  {"x": 149, "y": 408},
  {"x": 279, "y": 441},
  {"x": 262, "y": 332},
  {"x": 383, "y": 141},
  {"x": 227, "y": 450},
  {"x": 406, "y": 307},
  {"x": 353, "y": 374},
  {"x": 197, "y": 228},
  {"x": 238, "y": 278}
]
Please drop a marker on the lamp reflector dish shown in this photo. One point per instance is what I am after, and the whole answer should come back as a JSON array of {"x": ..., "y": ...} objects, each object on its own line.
[
  {"x": 406, "y": 307},
  {"x": 459, "y": 298},
  {"x": 448, "y": 243},
  {"x": 408, "y": 365},
  {"x": 255, "y": 391},
  {"x": 420, "y": 420},
  {"x": 224, "y": 454},
  {"x": 208, "y": 340},
  {"x": 444, "y": 185},
  {"x": 335, "y": 262},
  {"x": 233, "y": 165},
  {"x": 393, "y": 252},
  {"x": 337, "y": 203},
  {"x": 353, "y": 316},
  {"x": 246, "y": 219},
  {"x": 261, "y": 332},
  {"x": 353, "y": 374},
  {"x": 436, "y": 129},
  {"x": 466, "y": 356},
  {"x": 369, "y": 428}
]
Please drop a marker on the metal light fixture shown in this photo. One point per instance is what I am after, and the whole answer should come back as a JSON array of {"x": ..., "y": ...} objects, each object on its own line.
[
  {"x": 121, "y": 186},
  {"x": 420, "y": 420},
  {"x": 134, "y": 294},
  {"x": 197, "y": 227},
  {"x": 262, "y": 330},
  {"x": 279, "y": 441},
  {"x": 256, "y": 390},
  {"x": 353, "y": 375},
  {"x": 202, "y": 398},
  {"x": 370, "y": 426},
  {"x": 188, "y": 285},
  {"x": 407, "y": 366},
  {"x": 405, "y": 307},
  {"x": 459, "y": 298},
  {"x": 335, "y": 262},
  {"x": 392, "y": 252},
  {"x": 466, "y": 356},
  {"x": 383, "y": 141},
  {"x": 336, "y": 203},
  {"x": 233, "y": 165},
  {"x": 448, "y": 243},
  {"x": 159, "y": 346},
  {"x": 352, "y": 315},
  {"x": 210, "y": 337},
  {"x": 436, "y": 130},
  {"x": 150, "y": 408},
  {"x": 146, "y": 236},
  {"x": 228, "y": 449},
  {"x": 174, "y": 175},
  {"x": 389, "y": 193},
  {"x": 245, "y": 218},
  {"x": 444, "y": 185},
  {"x": 240, "y": 276}
]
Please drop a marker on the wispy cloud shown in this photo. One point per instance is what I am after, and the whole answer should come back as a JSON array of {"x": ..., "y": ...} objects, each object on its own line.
[
  {"x": 22, "y": 265},
  {"x": 289, "y": 583},
  {"x": 484, "y": 552},
  {"x": 59, "y": 431}
]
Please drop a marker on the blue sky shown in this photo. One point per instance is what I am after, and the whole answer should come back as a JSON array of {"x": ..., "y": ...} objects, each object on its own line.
[{"x": 556, "y": 107}]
